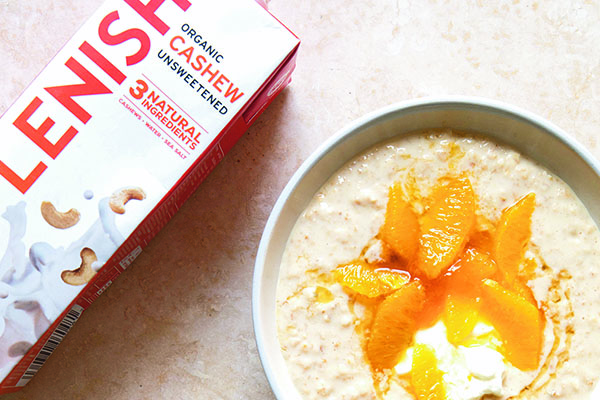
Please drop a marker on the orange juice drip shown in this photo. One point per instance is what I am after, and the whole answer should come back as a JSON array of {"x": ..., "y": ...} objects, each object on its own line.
[{"x": 437, "y": 293}]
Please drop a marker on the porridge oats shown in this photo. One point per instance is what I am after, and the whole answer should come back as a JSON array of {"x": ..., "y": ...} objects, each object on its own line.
[{"x": 441, "y": 265}]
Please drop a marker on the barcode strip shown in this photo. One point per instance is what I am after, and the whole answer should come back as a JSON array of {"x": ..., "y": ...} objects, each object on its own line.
[{"x": 53, "y": 341}]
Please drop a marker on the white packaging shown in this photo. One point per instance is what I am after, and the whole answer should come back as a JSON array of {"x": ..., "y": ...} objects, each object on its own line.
[{"x": 121, "y": 127}]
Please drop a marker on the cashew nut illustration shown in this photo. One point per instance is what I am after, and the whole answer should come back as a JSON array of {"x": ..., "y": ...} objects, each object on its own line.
[
  {"x": 85, "y": 272},
  {"x": 119, "y": 199},
  {"x": 19, "y": 349},
  {"x": 60, "y": 220}
]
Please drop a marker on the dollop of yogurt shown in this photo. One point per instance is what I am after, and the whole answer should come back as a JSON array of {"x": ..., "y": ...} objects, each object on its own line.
[{"x": 469, "y": 372}]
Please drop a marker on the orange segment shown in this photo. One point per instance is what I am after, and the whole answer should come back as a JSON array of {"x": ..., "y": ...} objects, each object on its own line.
[
  {"x": 463, "y": 279},
  {"x": 394, "y": 325},
  {"x": 369, "y": 281},
  {"x": 400, "y": 229},
  {"x": 435, "y": 303},
  {"x": 482, "y": 241},
  {"x": 460, "y": 317},
  {"x": 446, "y": 225},
  {"x": 512, "y": 234},
  {"x": 323, "y": 295},
  {"x": 517, "y": 321},
  {"x": 529, "y": 267},
  {"x": 427, "y": 380},
  {"x": 466, "y": 274},
  {"x": 521, "y": 288}
]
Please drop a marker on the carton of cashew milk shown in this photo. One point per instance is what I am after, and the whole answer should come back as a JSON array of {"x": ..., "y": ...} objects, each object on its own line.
[{"x": 108, "y": 141}]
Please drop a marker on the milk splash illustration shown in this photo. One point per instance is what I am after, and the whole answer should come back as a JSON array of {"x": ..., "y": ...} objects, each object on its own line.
[{"x": 32, "y": 293}]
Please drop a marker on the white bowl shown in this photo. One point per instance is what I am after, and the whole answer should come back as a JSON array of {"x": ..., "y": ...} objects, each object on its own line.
[{"x": 529, "y": 134}]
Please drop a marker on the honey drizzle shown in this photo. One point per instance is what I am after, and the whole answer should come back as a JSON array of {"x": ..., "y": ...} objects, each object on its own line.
[
  {"x": 362, "y": 329},
  {"x": 555, "y": 291}
]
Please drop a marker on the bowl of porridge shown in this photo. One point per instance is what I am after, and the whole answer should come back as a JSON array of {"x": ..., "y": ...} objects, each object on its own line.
[{"x": 437, "y": 248}]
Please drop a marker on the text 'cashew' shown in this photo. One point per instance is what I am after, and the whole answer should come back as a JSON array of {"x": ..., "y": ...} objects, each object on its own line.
[
  {"x": 60, "y": 220},
  {"x": 85, "y": 272},
  {"x": 119, "y": 199}
]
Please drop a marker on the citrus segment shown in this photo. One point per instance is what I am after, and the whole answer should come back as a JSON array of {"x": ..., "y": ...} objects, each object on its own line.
[
  {"x": 512, "y": 235},
  {"x": 445, "y": 227},
  {"x": 426, "y": 378},
  {"x": 523, "y": 290},
  {"x": 394, "y": 325},
  {"x": 517, "y": 321},
  {"x": 482, "y": 241},
  {"x": 323, "y": 295},
  {"x": 370, "y": 281},
  {"x": 466, "y": 274},
  {"x": 460, "y": 317},
  {"x": 435, "y": 302},
  {"x": 400, "y": 229}
]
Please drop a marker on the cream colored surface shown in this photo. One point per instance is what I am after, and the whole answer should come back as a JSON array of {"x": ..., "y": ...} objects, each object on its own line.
[{"x": 178, "y": 324}]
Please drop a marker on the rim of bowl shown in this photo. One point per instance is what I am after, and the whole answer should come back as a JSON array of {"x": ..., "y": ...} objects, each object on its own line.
[{"x": 354, "y": 127}]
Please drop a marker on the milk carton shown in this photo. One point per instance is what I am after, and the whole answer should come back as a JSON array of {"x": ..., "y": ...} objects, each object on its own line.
[{"x": 108, "y": 141}]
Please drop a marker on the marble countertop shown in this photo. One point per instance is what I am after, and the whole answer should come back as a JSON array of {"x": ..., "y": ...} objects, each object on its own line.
[{"x": 177, "y": 324}]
